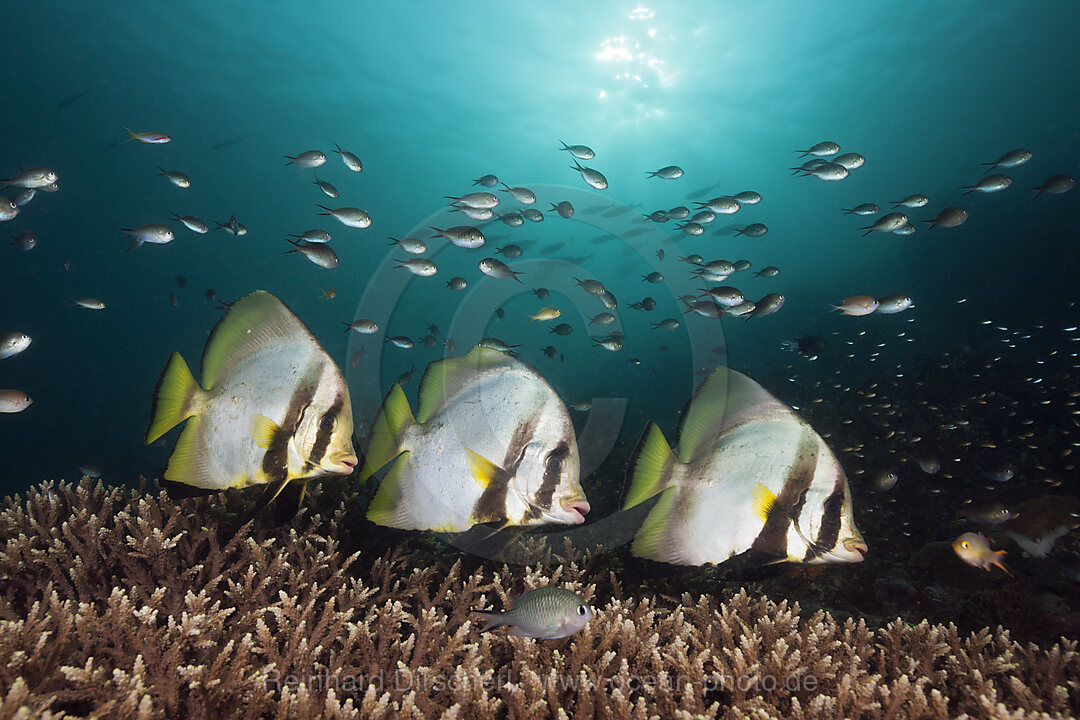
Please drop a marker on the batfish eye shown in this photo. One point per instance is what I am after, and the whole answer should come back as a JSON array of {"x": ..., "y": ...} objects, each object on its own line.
[
  {"x": 581, "y": 610},
  {"x": 327, "y": 423}
]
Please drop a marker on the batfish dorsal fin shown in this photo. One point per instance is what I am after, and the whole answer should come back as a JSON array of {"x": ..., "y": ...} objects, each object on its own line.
[
  {"x": 384, "y": 443},
  {"x": 727, "y": 398},
  {"x": 445, "y": 377},
  {"x": 249, "y": 324}
]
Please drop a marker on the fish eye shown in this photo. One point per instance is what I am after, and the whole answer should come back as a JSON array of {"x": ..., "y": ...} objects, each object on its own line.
[
  {"x": 327, "y": 423},
  {"x": 965, "y": 545},
  {"x": 582, "y": 610}
]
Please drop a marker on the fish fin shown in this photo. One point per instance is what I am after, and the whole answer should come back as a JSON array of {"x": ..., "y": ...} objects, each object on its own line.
[
  {"x": 725, "y": 399},
  {"x": 652, "y": 540},
  {"x": 445, "y": 377},
  {"x": 263, "y": 430},
  {"x": 652, "y": 463},
  {"x": 251, "y": 323},
  {"x": 764, "y": 501},
  {"x": 482, "y": 470},
  {"x": 271, "y": 491},
  {"x": 493, "y": 619},
  {"x": 386, "y": 508},
  {"x": 174, "y": 398},
  {"x": 187, "y": 464},
  {"x": 393, "y": 419},
  {"x": 180, "y": 491},
  {"x": 997, "y": 561}
]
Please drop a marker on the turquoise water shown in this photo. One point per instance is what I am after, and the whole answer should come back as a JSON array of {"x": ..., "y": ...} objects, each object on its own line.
[{"x": 431, "y": 96}]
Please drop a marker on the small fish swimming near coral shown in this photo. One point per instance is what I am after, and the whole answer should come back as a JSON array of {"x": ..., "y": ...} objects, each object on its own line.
[
  {"x": 543, "y": 614},
  {"x": 974, "y": 549},
  {"x": 275, "y": 409}
]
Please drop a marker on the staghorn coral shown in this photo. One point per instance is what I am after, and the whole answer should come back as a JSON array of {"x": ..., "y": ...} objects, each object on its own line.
[{"x": 123, "y": 604}]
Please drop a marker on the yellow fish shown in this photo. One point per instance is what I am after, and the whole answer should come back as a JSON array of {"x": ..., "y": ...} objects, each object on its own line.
[{"x": 545, "y": 314}]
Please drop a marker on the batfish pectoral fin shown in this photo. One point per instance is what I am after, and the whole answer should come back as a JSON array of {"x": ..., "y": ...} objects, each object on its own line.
[
  {"x": 393, "y": 419},
  {"x": 651, "y": 467},
  {"x": 263, "y": 430},
  {"x": 482, "y": 470},
  {"x": 175, "y": 398},
  {"x": 764, "y": 501},
  {"x": 388, "y": 508}
]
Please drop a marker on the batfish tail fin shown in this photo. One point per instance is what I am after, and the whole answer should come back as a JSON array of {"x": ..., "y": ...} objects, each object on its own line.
[
  {"x": 175, "y": 398},
  {"x": 650, "y": 467},
  {"x": 383, "y": 445}
]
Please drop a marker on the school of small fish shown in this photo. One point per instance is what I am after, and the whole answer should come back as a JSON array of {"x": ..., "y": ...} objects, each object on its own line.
[{"x": 491, "y": 441}]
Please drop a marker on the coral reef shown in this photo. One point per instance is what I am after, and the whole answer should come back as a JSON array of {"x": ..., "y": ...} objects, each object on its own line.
[{"x": 123, "y": 604}]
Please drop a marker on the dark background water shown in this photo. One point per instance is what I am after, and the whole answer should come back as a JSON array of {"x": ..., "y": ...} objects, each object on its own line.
[{"x": 431, "y": 97}]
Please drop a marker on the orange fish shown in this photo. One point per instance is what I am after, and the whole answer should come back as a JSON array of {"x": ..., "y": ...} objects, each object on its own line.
[
  {"x": 328, "y": 294},
  {"x": 973, "y": 549}
]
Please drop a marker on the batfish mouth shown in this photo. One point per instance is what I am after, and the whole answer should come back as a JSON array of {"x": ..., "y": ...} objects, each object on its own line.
[
  {"x": 347, "y": 464},
  {"x": 578, "y": 508},
  {"x": 856, "y": 548}
]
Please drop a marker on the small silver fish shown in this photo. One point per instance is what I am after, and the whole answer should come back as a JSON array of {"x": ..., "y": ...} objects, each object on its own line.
[
  {"x": 176, "y": 177},
  {"x": 309, "y": 159},
  {"x": 670, "y": 172},
  {"x": 14, "y": 401},
  {"x": 13, "y": 343},
  {"x": 328, "y": 189},
  {"x": 350, "y": 160},
  {"x": 543, "y": 614},
  {"x": 581, "y": 152},
  {"x": 497, "y": 269},
  {"x": 422, "y": 267}
]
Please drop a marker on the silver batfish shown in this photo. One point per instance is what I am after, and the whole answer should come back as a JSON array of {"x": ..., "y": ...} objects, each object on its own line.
[
  {"x": 749, "y": 477},
  {"x": 491, "y": 442}
]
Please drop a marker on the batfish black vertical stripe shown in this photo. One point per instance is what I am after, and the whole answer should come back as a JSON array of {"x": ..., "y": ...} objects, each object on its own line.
[
  {"x": 326, "y": 430},
  {"x": 552, "y": 474},
  {"x": 491, "y": 506},
  {"x": 773, "y": 536},
  {"x": 829, "y": 532},
  {"x": 275, "y": 462}
]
